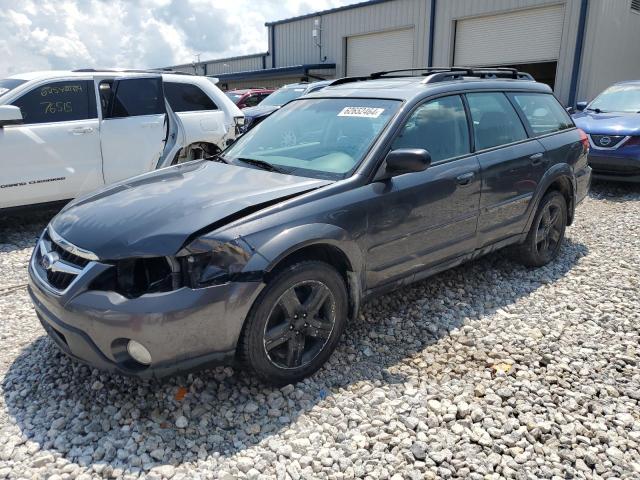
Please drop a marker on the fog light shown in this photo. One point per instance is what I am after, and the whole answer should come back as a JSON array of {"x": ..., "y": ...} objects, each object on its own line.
[{"x": 138, "y": 352}]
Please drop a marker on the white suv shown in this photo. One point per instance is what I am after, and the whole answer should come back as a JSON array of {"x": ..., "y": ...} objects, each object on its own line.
[{"x": 66, "y": 133}]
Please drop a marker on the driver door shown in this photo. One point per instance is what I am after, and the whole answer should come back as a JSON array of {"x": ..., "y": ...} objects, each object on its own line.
[
  {"x": 135, "y": 126},
  {"x": 426, "y": 218}
]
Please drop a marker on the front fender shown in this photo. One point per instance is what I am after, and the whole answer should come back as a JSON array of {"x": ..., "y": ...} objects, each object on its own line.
[
  {"x": 557, "y": 171},
  {"x": 290, "y": 240}
]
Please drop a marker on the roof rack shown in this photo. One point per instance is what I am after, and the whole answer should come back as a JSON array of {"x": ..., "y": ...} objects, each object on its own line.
[
  {"x": 130, "y": 70},
  {"x": 442, "y": 74}
]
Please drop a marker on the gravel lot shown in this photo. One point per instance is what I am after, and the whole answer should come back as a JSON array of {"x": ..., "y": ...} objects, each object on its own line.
[{"x": 489, "y": 370}]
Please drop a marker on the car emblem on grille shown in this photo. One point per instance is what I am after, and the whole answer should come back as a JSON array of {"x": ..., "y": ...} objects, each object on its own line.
[
  {"x": 49, "y": 260},
  {"x": 604, "y": 141}
]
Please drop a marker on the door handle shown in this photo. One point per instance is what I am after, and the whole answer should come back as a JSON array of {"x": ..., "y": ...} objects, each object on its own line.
[
  {"x": 150, "y": 124},
  {"x": 465, "y": 178},
  {"x": 537, "y": 159},
  {"x": 80, "y": 130}
]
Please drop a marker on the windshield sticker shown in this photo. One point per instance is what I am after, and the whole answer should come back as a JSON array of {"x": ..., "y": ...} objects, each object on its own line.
[{"x": 365, "y": 112}]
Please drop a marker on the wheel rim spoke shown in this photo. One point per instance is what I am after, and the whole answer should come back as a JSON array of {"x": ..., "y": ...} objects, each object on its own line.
[
  {"x": 546, "y": 217},
  {"x": 540, "y": 235},
  {"x": 295, "y": 351},
  {"x": 554, "y": 234},
  {"x": 290, "y": 303},
  {"x": 317, "y": 298},
  {"x": 319, "y": 329},
  {"x": 276, "y": 336}
]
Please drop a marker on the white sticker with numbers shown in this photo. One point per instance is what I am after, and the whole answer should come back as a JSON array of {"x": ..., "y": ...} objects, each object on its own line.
[{"x": 366, "y": 112}]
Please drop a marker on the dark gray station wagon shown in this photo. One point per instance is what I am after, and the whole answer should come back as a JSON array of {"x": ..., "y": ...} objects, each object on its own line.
[{"x": 261, "y": 255}]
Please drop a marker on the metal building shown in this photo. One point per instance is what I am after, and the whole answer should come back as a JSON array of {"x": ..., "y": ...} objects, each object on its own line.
[{"x": 577, "y": 46}]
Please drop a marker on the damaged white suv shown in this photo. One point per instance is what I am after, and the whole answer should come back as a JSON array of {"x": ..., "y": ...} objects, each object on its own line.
[{"x": 63, "y": 134}]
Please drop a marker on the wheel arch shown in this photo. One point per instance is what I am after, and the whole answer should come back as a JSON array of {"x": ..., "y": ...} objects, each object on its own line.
[
  {"x": 328, "y": 243},
  {"x": 558, "y": 178}
]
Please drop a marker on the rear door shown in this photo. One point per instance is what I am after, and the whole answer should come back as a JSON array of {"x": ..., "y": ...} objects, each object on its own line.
[
  {"x": 202, "y": 119},
  {"x": 134, "y": 128},
  {"x": 512, "y": 165},
  {"x": 425, "y": 218},
  {"x": 55, "y": 154}
]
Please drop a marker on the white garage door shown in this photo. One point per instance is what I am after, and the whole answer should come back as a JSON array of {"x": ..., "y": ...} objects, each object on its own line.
[
  {"x": 526, "y": 36},
  {"x": 374, "y": 52}
]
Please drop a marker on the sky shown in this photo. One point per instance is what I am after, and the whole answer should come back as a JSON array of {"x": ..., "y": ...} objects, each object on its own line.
[{"x": 66, "y": 34}]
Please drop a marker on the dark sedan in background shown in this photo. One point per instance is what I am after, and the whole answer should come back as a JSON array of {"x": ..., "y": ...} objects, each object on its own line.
[{"x": 612, "y": 122}]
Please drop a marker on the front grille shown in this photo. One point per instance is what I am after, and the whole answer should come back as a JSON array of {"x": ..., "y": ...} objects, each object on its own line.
[
  {"x": 64, "y": 268},
  {"x": 606, "y": 141},
  {"x": 68, "y": 256}
]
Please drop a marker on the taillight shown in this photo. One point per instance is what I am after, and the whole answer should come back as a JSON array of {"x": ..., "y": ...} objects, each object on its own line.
[{"x": 584, "y": 139}]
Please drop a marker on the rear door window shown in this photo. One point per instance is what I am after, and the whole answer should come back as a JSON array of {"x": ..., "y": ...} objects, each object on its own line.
[
  {"x": 440, "y": 127},
  {"x": 543, "y": 112},
  {"x": 185, "y": 97},
  {"x": 134, "y": 97},
  {"x": 58, "y": 102},
  {"x": 495, "y": 121}
]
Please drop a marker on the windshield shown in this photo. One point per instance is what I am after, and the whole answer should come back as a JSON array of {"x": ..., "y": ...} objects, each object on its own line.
[
  {"x": 8, "y": 84},
  {"x": 234, "y": 97},
  {"x": 320, "y": 138},
  {"x": 282, "y": 96},
  {"x": 618, "y": 98}
]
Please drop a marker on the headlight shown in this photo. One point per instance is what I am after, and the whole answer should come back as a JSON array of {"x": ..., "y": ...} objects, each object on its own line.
[{"x": 209, "y": 262}]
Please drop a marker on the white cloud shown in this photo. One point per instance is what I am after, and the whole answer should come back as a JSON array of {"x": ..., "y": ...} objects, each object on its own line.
[{"x": 63, "y": 34}]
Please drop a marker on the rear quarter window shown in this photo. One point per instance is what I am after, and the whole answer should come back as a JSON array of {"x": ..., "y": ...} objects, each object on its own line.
[
  {"x": 185, "y": 97},
  {"x": 543, "y": 112}
]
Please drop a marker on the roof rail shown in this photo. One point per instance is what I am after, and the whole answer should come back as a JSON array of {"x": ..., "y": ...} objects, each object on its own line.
[
  {"x": 427, "y": 70},
  {"x": 456, "y": 73},
  {"x": 130, "y": 70},
  {"x": 442, "y": 74}
]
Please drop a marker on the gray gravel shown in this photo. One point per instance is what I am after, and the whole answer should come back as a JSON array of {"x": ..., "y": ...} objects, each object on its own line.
[{"x": 487, "y": 371}]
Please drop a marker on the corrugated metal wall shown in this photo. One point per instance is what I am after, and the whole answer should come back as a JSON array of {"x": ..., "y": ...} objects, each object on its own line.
[
  {"x": 238, "y": 64},
  {"x": 295, "y": 44},
  {"x": 451, "y": 10},
  {"x": 611, "y": 47}
]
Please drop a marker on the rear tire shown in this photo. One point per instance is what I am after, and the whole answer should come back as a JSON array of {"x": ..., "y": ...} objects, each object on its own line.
[
  {"x": 546, "y": 235},
  {"x": 295, "y": 323}
]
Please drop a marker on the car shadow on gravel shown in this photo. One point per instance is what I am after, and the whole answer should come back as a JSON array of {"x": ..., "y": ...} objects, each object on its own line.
[{"x": 112, "y": 424}]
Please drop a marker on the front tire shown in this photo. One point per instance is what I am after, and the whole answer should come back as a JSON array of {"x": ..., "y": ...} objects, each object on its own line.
[
  {"x": 295, "y": 323},
  {"x": 545, "y": 237}
]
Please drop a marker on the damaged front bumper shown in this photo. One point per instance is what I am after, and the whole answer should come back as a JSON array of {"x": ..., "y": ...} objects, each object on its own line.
[{"x": 182, "y": 330}]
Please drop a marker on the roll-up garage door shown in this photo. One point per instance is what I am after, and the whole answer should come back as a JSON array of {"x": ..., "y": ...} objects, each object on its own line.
[
  {"x": 374, "y": 52},
  {"x": 525, "y": 36}
]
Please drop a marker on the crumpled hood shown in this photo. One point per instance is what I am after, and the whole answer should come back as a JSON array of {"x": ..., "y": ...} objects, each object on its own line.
[
  {"x": 154, "y": 214},
  {"x": 259, "y": 111},
  {"x": 608, "y": 123}
]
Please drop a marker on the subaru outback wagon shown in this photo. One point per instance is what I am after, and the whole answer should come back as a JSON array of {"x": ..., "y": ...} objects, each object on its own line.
[{"x": 262, "y": 255}]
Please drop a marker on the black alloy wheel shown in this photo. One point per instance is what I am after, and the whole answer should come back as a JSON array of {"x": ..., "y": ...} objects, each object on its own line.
[
  {"x": 550, "y": 230},
  {"x": 300, "y": 324},
  {"x": 295, "y": 323},
  {"x": 546, "y": 234}
]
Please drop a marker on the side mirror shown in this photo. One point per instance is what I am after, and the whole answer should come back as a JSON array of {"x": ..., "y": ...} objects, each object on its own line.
[
  {"x": 580, "y": 106},
  {"x": 405, "y": 160},
  {"x": 10, "y": 115},
  {"x": 241, "y": 105}
]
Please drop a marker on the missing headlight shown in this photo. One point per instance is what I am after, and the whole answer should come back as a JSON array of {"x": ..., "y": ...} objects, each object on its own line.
[{"x": 138, "y": 276}]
